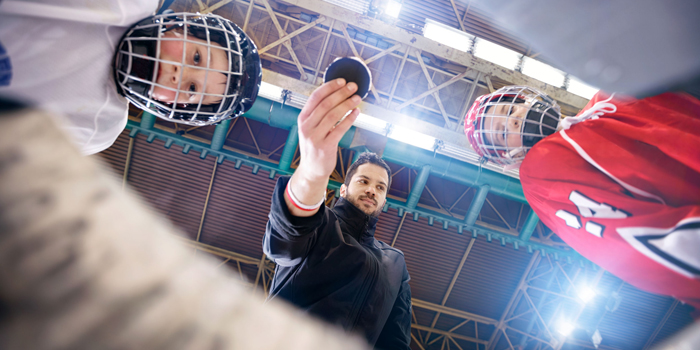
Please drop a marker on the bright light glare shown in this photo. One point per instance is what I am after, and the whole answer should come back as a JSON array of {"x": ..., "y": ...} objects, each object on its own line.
[
  {"x": 580, "y": 88},
  {"x": 370, "y": 123},
  {"x": 565, "y": 328},
  {"x": 543, "y": 72},
  {"x": 393, "y": 8},
  {"x": 270, "y": 91},
  {"x": 411, "y": 137},
  {"x": 586, "y": 294},
  {"x": 496, "y": 53},
  {"x": 447, "y": 35}
]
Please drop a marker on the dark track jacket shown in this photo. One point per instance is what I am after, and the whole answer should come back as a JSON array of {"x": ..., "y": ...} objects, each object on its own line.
[{"x": 330, "y": 265}]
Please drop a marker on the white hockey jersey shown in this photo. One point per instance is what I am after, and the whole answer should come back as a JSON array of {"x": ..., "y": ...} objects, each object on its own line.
[{"x": 57, "y": 55}]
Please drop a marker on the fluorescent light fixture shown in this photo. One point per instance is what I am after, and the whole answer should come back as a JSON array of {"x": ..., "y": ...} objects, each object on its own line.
[
  {"x": 543, "y": 72},
  {"x": 370, "y": 123},
  {"x": 596, "y": 338},
  {"x": 412, "y": 137},
  {"x": 586, "y": 293},
  {"x": 359, "y": 6},
  {"x": 270, "y": 92},
  {"x": 565, "y": 327},
  {"x": 580, "y": 88},
  {"x": 497, "y": 54},
  {"x": 447, "y": 35},
  {"x": 393, "y": 8}
]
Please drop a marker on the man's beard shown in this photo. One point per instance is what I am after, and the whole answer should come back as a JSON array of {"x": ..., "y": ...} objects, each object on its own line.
[{"x": 358, "y": 202}]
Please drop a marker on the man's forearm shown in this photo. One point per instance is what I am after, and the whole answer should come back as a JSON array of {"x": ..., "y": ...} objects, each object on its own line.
[{"x": 307, "y": 189}]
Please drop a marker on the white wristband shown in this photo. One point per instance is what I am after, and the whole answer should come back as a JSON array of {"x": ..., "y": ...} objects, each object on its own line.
[{"x": 297, "y": 203}]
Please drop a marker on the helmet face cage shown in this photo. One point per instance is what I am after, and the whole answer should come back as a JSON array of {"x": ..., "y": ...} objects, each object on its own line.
[
  {"x": 536, "y": 114},
  {"x": 138, "y": 61}
]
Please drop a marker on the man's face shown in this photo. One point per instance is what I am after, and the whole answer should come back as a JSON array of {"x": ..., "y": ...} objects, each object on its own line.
[
  {"x": 172, "y": 73},
  {"x": 367, "y": 188},
  {"x": 502, "y": 124}
]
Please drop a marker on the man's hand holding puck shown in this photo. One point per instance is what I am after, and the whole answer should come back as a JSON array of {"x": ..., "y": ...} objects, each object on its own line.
[{"x": 321, "y": 126}]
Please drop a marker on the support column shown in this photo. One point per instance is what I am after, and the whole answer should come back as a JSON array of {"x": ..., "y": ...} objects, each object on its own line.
[
  {"x": 147, "y": 120},
  {"x": 217, "y": 141},
  {"x": 529, "y": 226},
  {"x": 290, "y": 147},
  {"x": 418, "y": 187},
  {"x": 357, "y": 151},
  {"x": 477, "y": 204}
]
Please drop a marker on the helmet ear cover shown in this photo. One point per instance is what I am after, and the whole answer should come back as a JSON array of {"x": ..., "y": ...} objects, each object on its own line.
[{"x": 135, "y": 76}]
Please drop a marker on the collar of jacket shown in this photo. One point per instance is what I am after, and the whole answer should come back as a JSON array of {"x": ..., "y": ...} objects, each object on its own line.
[{"x": 356, "y": 222}]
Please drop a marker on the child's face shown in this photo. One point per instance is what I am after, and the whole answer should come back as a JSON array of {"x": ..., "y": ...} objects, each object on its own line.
[
  {"x": 502, "y": 124},
  {"x": 172, "y": 72}
]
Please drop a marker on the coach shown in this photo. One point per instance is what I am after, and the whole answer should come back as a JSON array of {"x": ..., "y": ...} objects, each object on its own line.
[{"x": 328, "y": 261}]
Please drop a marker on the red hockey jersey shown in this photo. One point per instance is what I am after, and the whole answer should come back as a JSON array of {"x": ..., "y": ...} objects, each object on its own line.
[{"x": 624, "y": 191}]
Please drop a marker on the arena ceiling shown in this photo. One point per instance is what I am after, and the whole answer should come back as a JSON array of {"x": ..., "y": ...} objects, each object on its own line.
[{"x": 485, "y": 274}]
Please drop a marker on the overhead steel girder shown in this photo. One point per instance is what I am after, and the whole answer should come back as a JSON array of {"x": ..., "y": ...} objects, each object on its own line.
[{"x": 410, "y": 39}]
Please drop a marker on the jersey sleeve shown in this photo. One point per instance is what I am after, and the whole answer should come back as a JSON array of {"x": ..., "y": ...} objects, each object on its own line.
[{"x": 647, "y": 243}]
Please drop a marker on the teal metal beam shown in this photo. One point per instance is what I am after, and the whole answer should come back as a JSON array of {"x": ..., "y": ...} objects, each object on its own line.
[
  {"x": 453, "y": 170},
  {"x": 476, "y": 205},
  {"x": 529, "y": 226},
  {"x": 418, "y": 187},
  {"x": 274, "y": 114},
  {"x": 284, "y": 117},
  {"x": 490, "y": 234},
  {"x": 357, "y": 151},
  {"x": 290, "y": 147},
  {"x": 217, "y": 141}
]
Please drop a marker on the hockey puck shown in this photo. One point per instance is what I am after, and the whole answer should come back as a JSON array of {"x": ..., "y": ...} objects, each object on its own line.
[{"x": 352, "y": 70}]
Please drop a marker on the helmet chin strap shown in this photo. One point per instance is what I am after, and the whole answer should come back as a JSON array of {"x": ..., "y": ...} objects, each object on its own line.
[
  {"x": 513, "y": 152},
  {"x": 510, "y": 154}
]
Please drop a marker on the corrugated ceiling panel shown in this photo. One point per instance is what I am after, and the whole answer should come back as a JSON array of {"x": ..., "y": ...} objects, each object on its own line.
[
  {"x": 238, "y": 208},
  {"x": 174, "y": 183},
  {"x": 679, "y": 319},
  {"x": 432, "y": 256},
  {"x": 489, "y": 278},
  {"x": 387, "y": 225},
  {"x": 635, "y": 320},
  {"x": 476, "y": 23},
  {"x": 115, "y": 155}
]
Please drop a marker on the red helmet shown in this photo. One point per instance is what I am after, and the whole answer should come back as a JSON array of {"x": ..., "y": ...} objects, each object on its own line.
[{"x": 539, "y": 118}]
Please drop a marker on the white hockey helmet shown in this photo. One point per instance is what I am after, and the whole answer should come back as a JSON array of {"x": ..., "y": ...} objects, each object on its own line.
[{"x": 138, "y": 63}]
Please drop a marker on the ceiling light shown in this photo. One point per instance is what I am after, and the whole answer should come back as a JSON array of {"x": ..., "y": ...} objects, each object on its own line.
[
  {"x": 565, "y": 328},
  {"x": 370, "y": 123},
  {"x": 586, "y": 293},
  {"x": 580, "y": 88},
  {"x": 543, "y": 72},
  {"x": 270, "y": 92},
  {"x": 393, "y": 8},
  {"x": 411, "y": 137},
  {"x": 447, "y": 35},
  {"x": 497, "y": 54}
]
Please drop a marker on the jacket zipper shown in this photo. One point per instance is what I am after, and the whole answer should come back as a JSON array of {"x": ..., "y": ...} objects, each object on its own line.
[{"x": 365, "y": 288}]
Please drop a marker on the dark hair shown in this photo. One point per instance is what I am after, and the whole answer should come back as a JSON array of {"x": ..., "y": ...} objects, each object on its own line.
[{"x": 367, "y": 157}]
